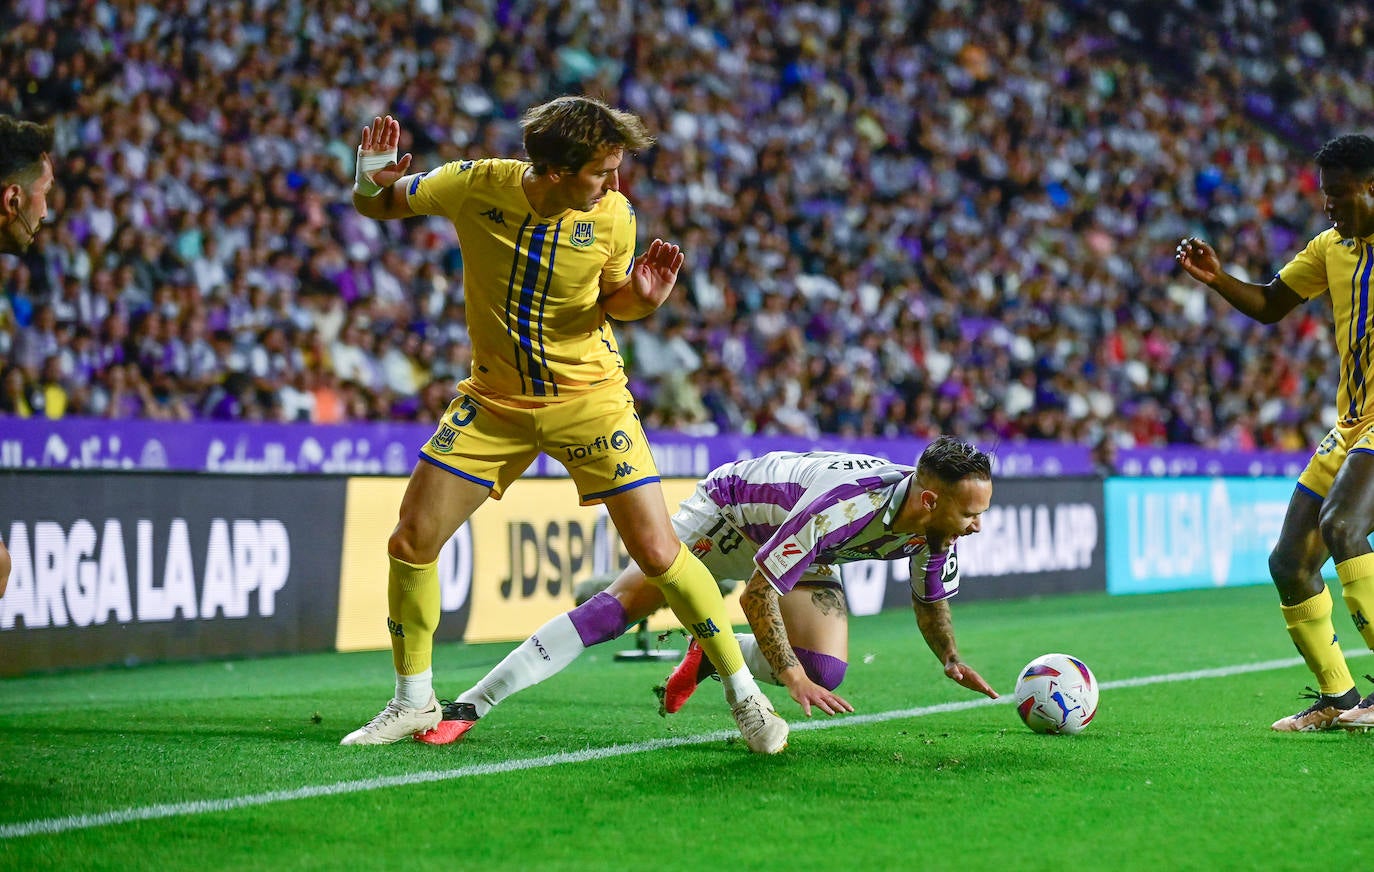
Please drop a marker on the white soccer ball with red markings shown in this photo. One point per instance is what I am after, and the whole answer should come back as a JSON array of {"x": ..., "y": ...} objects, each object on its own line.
[{"x": 1056, "y": 693}]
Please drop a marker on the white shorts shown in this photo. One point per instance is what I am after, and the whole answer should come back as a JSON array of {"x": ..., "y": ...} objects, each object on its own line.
[{"x": 718, "y": 542}]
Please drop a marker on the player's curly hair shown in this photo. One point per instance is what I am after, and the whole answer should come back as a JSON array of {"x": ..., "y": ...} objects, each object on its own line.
[
  {"x": 22, "y": 146},
  {"x": 1353, "y": 153},
  {"x": 567, "y": 132},
  {"x": 952, "y": 460}
]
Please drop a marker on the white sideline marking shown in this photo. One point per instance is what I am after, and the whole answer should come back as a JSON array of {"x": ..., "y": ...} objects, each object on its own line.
[{"x": 207, "y": 806}]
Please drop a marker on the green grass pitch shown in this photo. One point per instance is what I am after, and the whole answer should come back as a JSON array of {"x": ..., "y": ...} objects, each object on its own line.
[{"x": 236, "y": 765}]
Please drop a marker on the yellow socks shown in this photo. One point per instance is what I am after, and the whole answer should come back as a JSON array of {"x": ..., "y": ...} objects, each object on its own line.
[
  {"x": 691, "y": 592},
  {"x": 1309, "y": 623},
  {"x": 412, "y": 598},
  {"x": 1357, "y": 582}
]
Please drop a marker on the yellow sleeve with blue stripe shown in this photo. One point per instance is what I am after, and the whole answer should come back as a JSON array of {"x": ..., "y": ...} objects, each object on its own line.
[
  {"x": 444, "y": 189},
  {"x": 623, "y": 232},
  {"x": 1306, "y": 272}
]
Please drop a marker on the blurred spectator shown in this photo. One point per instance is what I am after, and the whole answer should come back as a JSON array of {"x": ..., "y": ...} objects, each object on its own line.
[{"x": 899, "y": 217}]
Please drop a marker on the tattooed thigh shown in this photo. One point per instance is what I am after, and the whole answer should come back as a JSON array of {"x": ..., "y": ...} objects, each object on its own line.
[{"x": 828, "y": 600}]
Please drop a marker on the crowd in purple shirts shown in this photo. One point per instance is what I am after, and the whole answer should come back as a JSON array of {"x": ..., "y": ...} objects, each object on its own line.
[{"x": 900, "y": 218}]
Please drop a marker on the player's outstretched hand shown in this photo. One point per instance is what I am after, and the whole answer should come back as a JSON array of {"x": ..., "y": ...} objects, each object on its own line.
[
  {"x": 808, "y": 693},
  {"x": 966, "y": 676},
  {"x": 380, "y": 137},
  {"x": 1198, "y": 259},
  {"x": 655, "y": 271}
]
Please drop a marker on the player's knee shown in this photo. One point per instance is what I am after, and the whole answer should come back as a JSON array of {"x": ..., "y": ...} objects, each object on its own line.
[
  {"x": 1341, "y": 533},
  {"x": 600, "y": 619},
  {"x": 1287, "y": 567},
  {"x": 406, "y": 544},
  {"x": 823, "y": 669}
]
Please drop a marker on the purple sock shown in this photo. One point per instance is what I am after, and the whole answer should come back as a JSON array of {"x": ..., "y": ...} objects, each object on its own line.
[
  {"x": 600, "y": 619},
  {"x": 823, "y": 669}
]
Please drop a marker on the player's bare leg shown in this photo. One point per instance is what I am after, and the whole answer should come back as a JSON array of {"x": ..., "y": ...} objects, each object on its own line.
[
  {"x": 1346, "y": 519},
  {"x": 641, "y": 517},
  {"x": 435, "y": 505},
  {"x": 1295, "y": 565}
]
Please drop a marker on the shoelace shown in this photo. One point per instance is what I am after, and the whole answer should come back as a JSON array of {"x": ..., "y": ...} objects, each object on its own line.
[
  {"x": 751, "y": 715},
  {"x": 390, "y": 713}
]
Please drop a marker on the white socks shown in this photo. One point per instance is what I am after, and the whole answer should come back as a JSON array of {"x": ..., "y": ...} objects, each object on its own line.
[
  {"x": 414, "y": 691},
  {"x": 754, "y": 659},
  {"x": 546, "y": 653}
]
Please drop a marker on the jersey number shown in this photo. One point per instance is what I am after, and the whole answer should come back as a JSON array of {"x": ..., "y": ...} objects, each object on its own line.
[
  {"x": 467, "y": 410},
  {"x": 729, "y": 540}
]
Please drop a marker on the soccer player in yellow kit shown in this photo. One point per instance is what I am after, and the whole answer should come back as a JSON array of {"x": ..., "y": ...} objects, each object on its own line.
[
  {"x": 548, "y": 255},
  {"x": 1331, "y": 511}
]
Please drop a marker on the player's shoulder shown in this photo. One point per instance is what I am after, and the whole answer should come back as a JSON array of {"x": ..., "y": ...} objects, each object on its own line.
[
  {"x": 615, "y": 206},
  {"x": 1329, "y": 240}
]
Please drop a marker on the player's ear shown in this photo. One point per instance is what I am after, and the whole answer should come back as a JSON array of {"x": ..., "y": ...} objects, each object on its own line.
[{"x": 9, "y": 200}]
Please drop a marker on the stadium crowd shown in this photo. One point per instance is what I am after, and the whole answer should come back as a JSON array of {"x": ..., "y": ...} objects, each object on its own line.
[{"x": 900, "y": 218}]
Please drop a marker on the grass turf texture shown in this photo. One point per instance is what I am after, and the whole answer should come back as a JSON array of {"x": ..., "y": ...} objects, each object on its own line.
[{"x": 1177, "y": 775}]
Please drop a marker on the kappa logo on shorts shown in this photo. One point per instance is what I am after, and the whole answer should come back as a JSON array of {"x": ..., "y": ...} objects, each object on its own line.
[
  {"x": 619, "y": 442},
  {"x": 443, "y": 440},
  {"x": 584, "y": 234},
  {"x": 622, "y": 470}
]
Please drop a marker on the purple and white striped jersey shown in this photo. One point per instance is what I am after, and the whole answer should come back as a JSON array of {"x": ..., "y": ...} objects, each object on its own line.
[{"x": 825, "y": 507}]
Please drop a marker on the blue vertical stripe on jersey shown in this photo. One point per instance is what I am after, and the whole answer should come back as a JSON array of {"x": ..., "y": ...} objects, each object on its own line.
[
  {"x": 544, "y": 298},
  {"x": 1362, "y": 348},
  {"x": 524, "y": 311},
  {"x": 510, "y": 293},
  {"x": 1359, "y": 328}
]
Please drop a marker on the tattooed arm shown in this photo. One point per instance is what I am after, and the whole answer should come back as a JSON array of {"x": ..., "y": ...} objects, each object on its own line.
[
  {"x": 933, "y": 620},
  {"x": 760, "y": 603}
]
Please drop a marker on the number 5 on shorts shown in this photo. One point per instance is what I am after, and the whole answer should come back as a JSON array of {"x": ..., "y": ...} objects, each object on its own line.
[{"x": 467, "y": 410}]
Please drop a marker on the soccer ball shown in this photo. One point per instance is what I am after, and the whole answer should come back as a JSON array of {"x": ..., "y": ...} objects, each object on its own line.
[{"x": 1056, "y": 693}]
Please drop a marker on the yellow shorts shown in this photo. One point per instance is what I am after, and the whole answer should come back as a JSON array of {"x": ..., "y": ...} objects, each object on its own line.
[
  {"x": 1331, "y": 453},
  {"x": 492, "y": 439}
]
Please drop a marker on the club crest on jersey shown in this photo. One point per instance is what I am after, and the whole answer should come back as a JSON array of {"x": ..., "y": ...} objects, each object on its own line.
[
  {"x": 584, "y": 234},
  {"x": 914, "y": 544}
]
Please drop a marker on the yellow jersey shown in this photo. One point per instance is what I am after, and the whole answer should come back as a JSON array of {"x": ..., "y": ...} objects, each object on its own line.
[
  {"x": 531, "y": 283},
  {"x": 1342, "y": 266}
]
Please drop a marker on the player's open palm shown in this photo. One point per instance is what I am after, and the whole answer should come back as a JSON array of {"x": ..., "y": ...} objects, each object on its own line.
[
  {"x": 1198, "y": 259},
  {"x": 655, "y": 271},
  {"x": 808, "y": 693},
  {"x": 382, "y": 137}
]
